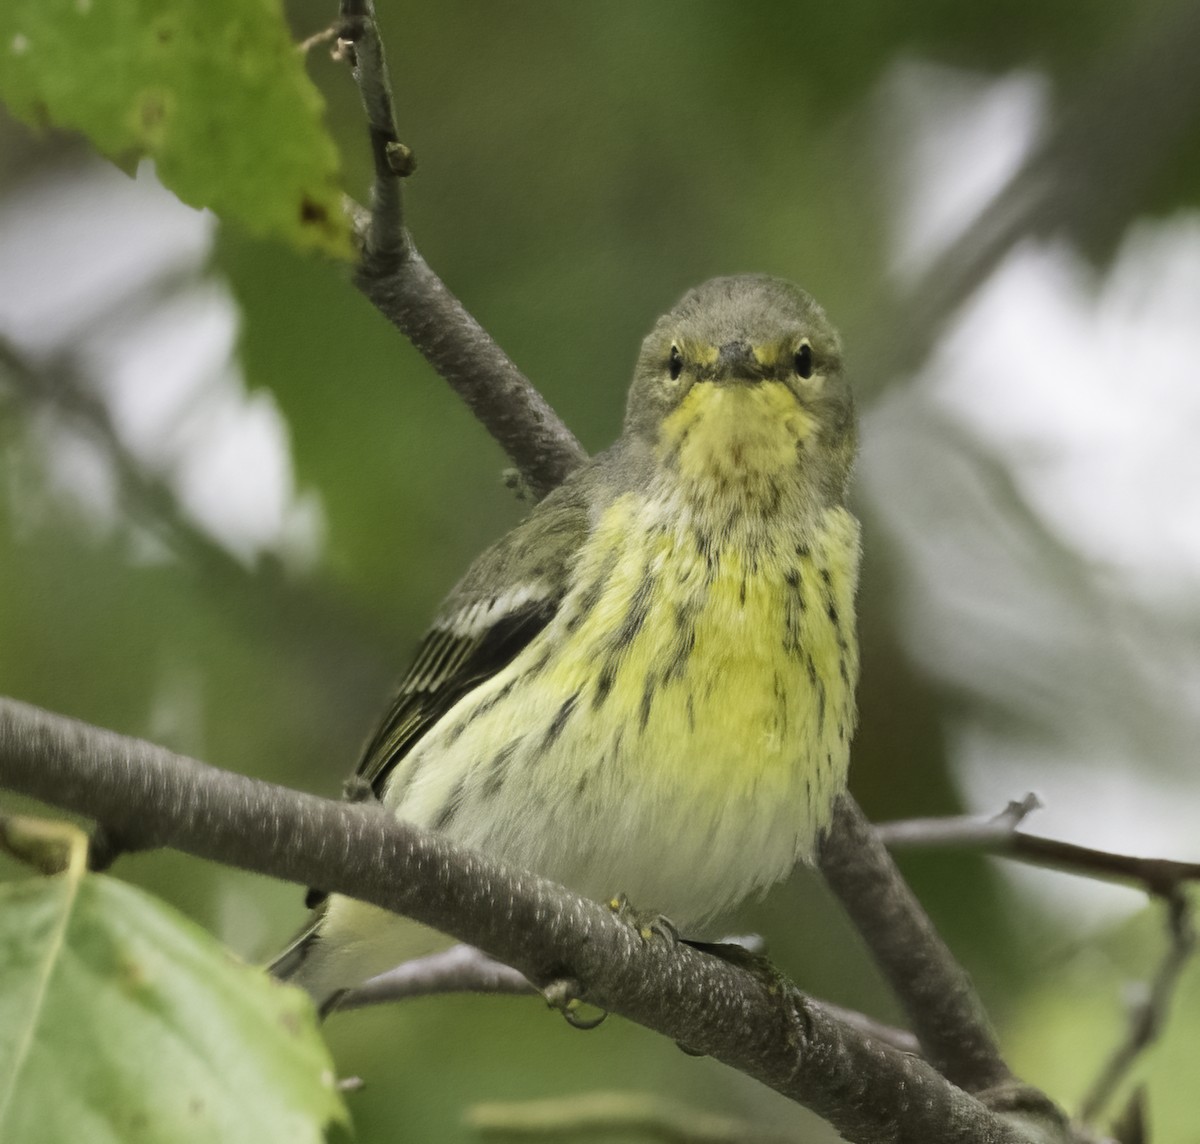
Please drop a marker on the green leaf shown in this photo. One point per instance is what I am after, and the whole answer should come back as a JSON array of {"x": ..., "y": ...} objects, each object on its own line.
[
  {"x": 122, "y": 1021},
  {"x": 213, "y": 90}
]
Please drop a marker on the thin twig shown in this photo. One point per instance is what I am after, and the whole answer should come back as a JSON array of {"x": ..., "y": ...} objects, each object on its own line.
[
  {"x": 400, "y": 284},
  {"x": 324, "y": 36},
  {"x": 957, "y": 830},
  {"x": 1000, "y": 835},
  {"x": 1159, "y": 876},
  {"x": 460, "y": 969},
  {"x": 387, "y": 240},
  {"x": 1149, "y": 1014},
  {"x": 767, "y": 1029},
  {"x": 1164, "y": 878}
]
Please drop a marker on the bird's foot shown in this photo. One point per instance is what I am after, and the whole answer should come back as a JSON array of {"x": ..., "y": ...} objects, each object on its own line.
[
  {"x": 564, "y": 994},
  {"x": 648, "y": 926}
]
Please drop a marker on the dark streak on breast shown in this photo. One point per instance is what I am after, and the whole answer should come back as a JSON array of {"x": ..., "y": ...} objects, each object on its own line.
[
  {"x": 647, "y": 700},
  {"x": 706, "y": 548},
  {"x": 635, "y": 615},
  {"x": 559, "y": 721},
  {"x": 681, "y": 652},
  {"x": 447, "y": 813},
  {"x": 498, "y": 768},
  {"x": 604, "y": 683}
]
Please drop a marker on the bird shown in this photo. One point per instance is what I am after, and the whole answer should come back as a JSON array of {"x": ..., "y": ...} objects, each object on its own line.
[{"x": 646, "y": 689}]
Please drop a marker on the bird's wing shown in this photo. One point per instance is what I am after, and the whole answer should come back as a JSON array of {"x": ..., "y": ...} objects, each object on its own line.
[
  {"x": 460, "y": 651},
  {"x": 507, "y": 597}
]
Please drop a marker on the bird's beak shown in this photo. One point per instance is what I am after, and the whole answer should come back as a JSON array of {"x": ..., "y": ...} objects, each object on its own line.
[{"x": 736, "y": 363}]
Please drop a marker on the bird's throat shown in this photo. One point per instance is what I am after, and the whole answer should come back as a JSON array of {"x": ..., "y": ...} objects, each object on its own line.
[
  {"x": 738, "y": 448},
  {"x": 723, "y": 434}
]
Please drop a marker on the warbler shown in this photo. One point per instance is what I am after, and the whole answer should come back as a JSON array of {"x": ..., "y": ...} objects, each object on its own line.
[{"x": 647, "y": 687}]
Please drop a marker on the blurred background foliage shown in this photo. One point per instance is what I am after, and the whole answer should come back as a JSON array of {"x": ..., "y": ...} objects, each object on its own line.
[{"x": 230, "y": 495}]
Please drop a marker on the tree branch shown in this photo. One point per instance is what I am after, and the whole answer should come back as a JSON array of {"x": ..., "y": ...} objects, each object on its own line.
[
  {"x": 999, "y": 835},
  {"x": 936, "y": 993},
  {"x": 400, "y": 284},
  {"x": 868, "y": 1091},
  {"x": 900, "y": 1039}
]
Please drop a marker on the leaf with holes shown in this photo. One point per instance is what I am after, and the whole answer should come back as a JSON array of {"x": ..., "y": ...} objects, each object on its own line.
[{"x": 213, "y": 90}]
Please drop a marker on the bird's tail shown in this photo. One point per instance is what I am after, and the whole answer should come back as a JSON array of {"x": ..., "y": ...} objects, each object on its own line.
[
  {"x": 288, "y": 963},
  {"x": 345, "y": 943}
]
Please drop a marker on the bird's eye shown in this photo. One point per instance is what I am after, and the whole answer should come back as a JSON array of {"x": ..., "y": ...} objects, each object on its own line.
[
  {"x": 676, "y": 363},
  {"x": 804, "y": 361}
]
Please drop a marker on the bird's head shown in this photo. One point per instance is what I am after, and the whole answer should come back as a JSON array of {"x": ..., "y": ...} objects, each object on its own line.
[{"x": 741, "y": 383}]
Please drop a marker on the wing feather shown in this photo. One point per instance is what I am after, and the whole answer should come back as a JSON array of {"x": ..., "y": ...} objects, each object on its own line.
[{"x": 447, "y": 667}]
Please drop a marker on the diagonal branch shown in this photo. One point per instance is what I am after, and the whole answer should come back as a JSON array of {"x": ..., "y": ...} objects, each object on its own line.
[
  {"x": 1159, "y": 876},
  {"x": 870, "y": 1092},
  {"x": 935, "y": 991},
  {"x": 399, "y": 282}
]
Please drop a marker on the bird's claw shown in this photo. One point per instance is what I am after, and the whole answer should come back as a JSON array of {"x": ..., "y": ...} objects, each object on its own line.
[
  {"x": 563, "y": 994},
  {"x": 648, "y": 926}
]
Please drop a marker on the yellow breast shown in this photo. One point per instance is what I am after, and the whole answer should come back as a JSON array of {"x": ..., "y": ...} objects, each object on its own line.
[
  {"x": 731, "y": 668},
  {"x": 679, "y": 731}
]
